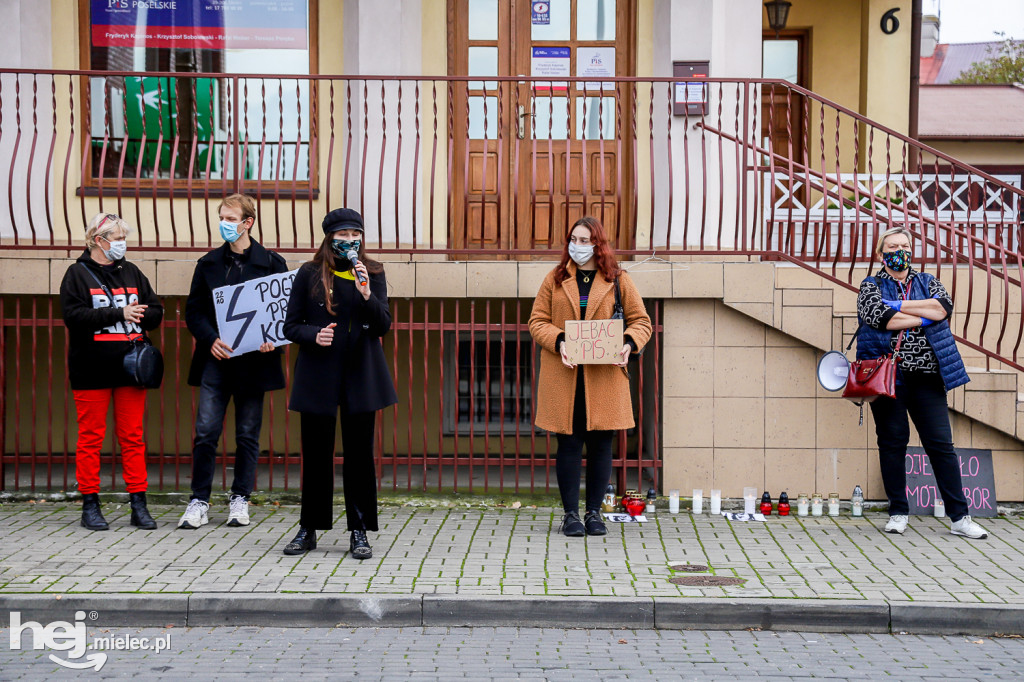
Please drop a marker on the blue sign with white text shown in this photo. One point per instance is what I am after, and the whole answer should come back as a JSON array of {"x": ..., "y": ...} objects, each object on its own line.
[
  {"x": 202, "y": 24},
  {"x": 541, "y": 15}
]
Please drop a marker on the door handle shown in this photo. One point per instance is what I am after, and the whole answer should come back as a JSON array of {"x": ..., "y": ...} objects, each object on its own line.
[{"x": 520, "y": 123}]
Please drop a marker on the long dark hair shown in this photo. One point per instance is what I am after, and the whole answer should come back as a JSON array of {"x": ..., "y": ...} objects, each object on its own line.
[
  {"x": 326, "y": 262},
  {"x": 603, "y": 254}
]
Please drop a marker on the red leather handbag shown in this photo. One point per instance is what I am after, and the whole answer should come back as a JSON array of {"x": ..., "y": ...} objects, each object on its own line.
[{"x": 869, "y": 379}]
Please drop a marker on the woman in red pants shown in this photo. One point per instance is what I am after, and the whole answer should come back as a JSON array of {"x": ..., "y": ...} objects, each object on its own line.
[{"x": 107, "y": 304}]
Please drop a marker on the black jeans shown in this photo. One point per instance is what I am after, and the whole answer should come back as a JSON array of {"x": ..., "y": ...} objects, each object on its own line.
[
  {"x": 923, "y": 398},
  {"x": 569, "y": 458},
  {"x": 358, "y": 474},
  {"x": 214, "y": 393}
]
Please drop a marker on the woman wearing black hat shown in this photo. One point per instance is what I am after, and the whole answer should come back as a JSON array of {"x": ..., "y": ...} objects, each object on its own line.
[{"x": 337, "y": 313}]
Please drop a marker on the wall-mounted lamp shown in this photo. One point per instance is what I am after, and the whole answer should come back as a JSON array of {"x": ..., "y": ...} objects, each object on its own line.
[{"x": 778, "y": 14}]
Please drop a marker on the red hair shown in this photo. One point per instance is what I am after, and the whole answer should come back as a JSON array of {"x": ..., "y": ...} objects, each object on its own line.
[{"x": 603, "y": 254}]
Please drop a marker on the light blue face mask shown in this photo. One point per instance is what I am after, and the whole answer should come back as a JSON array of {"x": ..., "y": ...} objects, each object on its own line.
[
  {"x": 229, "y": 231},
  {"x": 117, "y": 249}
]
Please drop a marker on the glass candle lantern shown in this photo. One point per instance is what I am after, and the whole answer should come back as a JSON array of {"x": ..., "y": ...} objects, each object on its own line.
[
  {"x": 608, "y": 503},
  {"x": 940, "y": 508},
  {"x": 673, "y": 501},
  {"x": 816, "y": 504},
  {"x": 749, "y": 500},
  {"x": 857, "y": 502},
  {"x": 803, "y": 504},
  {"x": 698, "y": 500},
  {"x": 833, "y": 504},
  {"x": 716, "y": 501}
]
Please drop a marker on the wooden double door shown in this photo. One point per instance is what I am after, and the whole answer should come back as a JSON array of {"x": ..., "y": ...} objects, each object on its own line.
[{"x": 532, "y": 154}]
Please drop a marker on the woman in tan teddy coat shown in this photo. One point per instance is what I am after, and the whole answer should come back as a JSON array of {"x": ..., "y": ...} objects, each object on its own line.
[{"x": 585, "y": 405}]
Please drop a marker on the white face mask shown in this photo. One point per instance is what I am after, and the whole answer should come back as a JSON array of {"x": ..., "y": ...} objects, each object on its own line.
[
  {"x": 581, "y": 253},
  {"x": 117, "y": 249}
]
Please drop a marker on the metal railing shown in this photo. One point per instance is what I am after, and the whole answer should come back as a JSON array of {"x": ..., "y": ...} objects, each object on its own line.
[
  {"x": 471, "y": 168},
  {"x": 465, "y": 371}
]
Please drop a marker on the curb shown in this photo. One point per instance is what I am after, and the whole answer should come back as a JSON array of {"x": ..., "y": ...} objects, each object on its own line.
[{"x": 389, "y": 610}]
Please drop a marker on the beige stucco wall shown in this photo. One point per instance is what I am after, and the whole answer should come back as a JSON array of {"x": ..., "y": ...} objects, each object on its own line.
[
  {"x": 739, "y": 403},
  {"x": 741, "y": 407},
  {"x": 885, "y": 65},
  {"x": 982, "y": 153}
]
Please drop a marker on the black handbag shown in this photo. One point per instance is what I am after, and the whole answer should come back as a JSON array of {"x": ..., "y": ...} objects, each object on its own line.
[{"x": 142, "y": 363}]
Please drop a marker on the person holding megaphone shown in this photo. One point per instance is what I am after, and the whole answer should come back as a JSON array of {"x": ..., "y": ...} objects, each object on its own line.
[
  {"x": 337, "y": 313},
  {"x": 906, "y": 313}
]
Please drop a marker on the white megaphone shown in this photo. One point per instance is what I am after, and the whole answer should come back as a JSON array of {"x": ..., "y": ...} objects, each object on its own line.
[{"x": 833, "y": 368}]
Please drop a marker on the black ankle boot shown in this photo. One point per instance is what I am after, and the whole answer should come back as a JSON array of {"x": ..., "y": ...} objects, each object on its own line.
[
  {"x": 92, "y": 518},
  {"x": 359, "y": 546},
  {"x": 303, "y": 541},
  {"x": 140, "y": 515}
]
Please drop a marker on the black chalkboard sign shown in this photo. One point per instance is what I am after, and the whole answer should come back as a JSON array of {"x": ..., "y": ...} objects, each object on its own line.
[{"x": 975, "y": 470}]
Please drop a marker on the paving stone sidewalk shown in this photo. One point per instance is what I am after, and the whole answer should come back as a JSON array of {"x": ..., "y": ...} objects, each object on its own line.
[{"x": 471, "y": 552}]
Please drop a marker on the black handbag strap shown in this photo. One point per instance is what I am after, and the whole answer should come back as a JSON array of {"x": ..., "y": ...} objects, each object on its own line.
[
  {"x": 110, "y": 296},
  {"x": 618, "y": 297}
]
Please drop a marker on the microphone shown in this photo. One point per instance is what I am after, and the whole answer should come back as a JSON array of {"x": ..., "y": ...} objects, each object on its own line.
[{"x": 354, "y": 258}]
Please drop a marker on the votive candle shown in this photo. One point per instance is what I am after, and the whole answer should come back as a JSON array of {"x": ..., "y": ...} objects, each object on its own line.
[
  {"x": 716, "y": 501},
  {"x": 749, "y": 498}
]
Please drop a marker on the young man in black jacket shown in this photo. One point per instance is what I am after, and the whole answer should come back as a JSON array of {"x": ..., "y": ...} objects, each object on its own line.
[{"x": 219, "y": 374}]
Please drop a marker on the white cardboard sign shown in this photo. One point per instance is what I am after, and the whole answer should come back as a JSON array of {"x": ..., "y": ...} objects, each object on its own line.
[
  {"x": 252, "y": 313},
  {"x": 593, "y": 342}
]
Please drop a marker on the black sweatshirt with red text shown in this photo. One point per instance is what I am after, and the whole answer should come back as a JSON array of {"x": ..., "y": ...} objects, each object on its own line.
[{"x": 98, "y": 335}]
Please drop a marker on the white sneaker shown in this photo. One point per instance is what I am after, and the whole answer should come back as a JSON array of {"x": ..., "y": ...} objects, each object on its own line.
[
  {"x": 195, "y": 515},
  {"x": 897, "y": 524},
  {"x": 239, "y": 514},
  {"x": 968, "y": 528}
]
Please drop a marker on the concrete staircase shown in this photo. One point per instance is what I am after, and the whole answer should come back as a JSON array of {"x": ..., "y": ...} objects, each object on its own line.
[{"x": 823, "y": 315}]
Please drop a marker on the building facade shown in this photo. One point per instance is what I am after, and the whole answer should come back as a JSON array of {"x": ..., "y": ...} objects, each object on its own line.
[{"x": 743, "y": 173}]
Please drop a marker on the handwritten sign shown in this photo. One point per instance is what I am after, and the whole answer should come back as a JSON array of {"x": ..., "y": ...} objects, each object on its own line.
[
  {"x": 252, "y": 313},
  {"x": 975, "y": 470},
  {"x": 593, "y": 342}
]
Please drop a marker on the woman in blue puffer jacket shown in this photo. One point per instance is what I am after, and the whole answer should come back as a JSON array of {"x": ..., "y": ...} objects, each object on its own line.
[{"x": 899, "y": 299}]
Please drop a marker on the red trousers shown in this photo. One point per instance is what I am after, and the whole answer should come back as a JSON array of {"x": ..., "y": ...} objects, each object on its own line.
[{"x": 92, "y": 407}]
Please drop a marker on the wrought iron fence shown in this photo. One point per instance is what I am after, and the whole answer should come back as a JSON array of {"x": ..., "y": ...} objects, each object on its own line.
[
  {"x": 465, "y": 372},
  {"x": 464, "y": 168}
]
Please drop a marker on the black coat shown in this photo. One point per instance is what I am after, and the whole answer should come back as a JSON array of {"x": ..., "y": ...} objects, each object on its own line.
[
  {"x": 98, "y": 335},
  {"x": 352, "y": 372},
  {"x": 250, "y": 372}
]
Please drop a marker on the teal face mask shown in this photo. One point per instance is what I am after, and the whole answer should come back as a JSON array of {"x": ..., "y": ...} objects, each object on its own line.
[{"x": 341, "y": 247}]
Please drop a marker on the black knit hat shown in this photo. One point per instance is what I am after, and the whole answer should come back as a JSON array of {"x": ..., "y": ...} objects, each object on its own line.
[{"x": 342, "y": 218}]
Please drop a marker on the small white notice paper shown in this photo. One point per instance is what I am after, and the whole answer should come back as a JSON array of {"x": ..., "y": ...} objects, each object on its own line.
[
  {"x": 624, "y": 518},
  {"x": 739, "y": 516}
]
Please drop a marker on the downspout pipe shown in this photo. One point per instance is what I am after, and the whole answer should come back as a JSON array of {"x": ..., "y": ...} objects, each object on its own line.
[{"x": 915, "y": 70}]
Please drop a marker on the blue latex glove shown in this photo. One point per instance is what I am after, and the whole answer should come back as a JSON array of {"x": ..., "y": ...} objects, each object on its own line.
[
  {"x": 895, "y": 305},
  {"x": 925, "y": 322}
]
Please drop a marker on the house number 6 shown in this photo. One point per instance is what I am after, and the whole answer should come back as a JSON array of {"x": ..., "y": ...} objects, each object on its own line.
[{"x": 890, "y": 24}]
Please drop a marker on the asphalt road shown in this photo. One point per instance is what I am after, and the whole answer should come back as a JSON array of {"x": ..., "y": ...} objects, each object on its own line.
[{"x": 479, "y": 653}]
